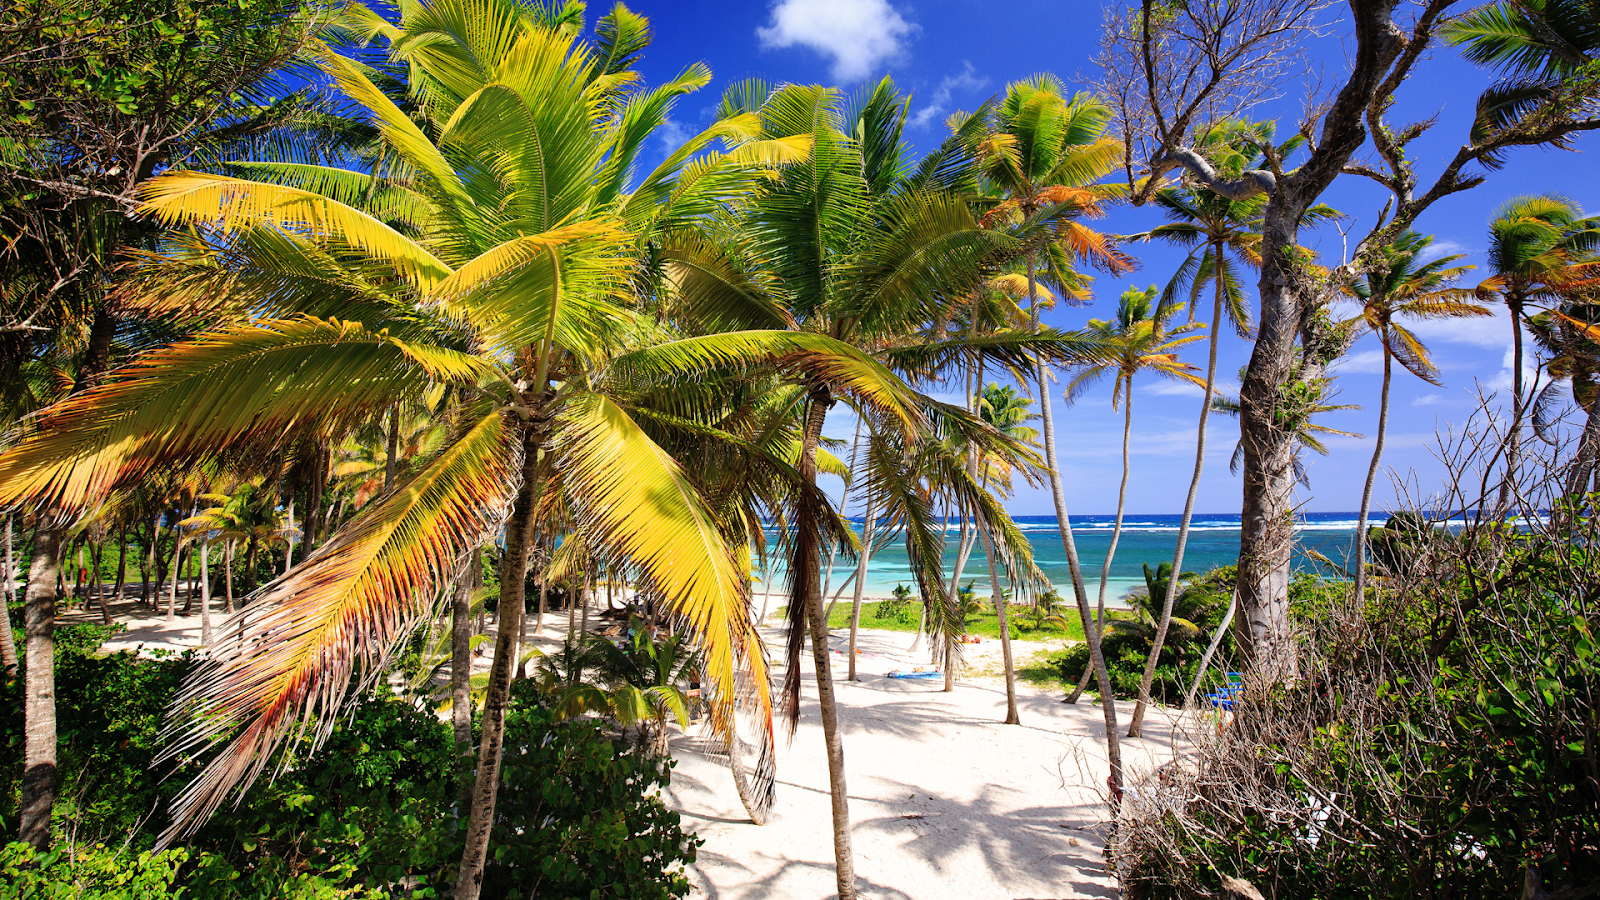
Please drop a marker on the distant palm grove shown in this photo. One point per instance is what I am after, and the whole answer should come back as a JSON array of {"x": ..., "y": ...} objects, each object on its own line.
[{"x": 377, "y": 341}]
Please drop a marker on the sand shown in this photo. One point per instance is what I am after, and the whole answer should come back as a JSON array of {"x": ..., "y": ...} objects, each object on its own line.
[{"x": 944, "y": 800}]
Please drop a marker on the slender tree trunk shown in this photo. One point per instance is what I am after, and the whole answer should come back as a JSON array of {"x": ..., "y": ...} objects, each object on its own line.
[
  {"x": 97, "y": 583},
  {"x": 205, "y": 595},
  {"x": 288, "y": 543},
  {"x": 1111, "y": 551},
  {"x": 1372, "y": 476},
  {"x": 461, "y": 656},
  {"x": 122, "y": 565},
  {"x": 1005, "y": 630},
  {"x": 844, "y": 859},
  {"x": 1211, "y": 649},
  {"x": 1108, "y": 701},
  {"x": 147, "y": 565},
  {"x": 1583, "y": 464},
  {"x": 861, "y": 580},
  {"x": 1514, "y": 435},
  {"x": 1136, "y": 725},
  {"x": 227, "y": 579},
  {"x": 39, "y": 688},
  {"x": 513, "y": 572},
  {"x": 250, "y": 564},
  {"x": 8, "y": 641},
  {"x": 177, "y": 575}
]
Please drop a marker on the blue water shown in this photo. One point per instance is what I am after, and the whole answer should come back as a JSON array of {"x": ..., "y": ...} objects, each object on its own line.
[{"x": 1213, "y": 541}]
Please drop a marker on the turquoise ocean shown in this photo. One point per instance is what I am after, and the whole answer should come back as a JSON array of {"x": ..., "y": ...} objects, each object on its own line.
[{"x": 1213, "y": 541}]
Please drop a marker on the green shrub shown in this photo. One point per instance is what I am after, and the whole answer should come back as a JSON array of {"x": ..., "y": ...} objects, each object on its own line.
[{"x": 88, "y": 872}]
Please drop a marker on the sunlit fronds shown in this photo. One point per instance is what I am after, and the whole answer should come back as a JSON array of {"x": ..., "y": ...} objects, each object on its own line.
[{"x": 285, "y": 664}]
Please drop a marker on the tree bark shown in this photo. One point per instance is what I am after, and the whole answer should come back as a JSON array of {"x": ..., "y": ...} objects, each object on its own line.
[
  {"x": 861, "y": 580},
  {"x": 205, "y": 594},
  {"x": 1005, "y": 629},
  {"x": 844, "y": 859},
  {"x": 8, "y": 641},
  {"x": 1137, "y": 721},
  {"x": 1372, "y": 476},
  {"x": 513, "y": 571},
  {"x": 1108, "y": 697},
  {"x": 1514, "y": 433},
  {"x": 1111, "y": 551},
  {"x": 1211, "y": 649},
  {"x": 39, "y": 687},
  {"x": 288, "y": 541},
  {"x": 461, "y": 656},
  {"x": 122, "y": 565},
  {"x": 177, "y": 574},
  {"x": 1583, "y": 464},
  {"x": 227, "y": 580},
  {"x": 147, "y": 565}
]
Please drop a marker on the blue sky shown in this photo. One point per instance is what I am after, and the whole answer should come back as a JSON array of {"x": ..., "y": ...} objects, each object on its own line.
[{"x": 952, "y": 54}]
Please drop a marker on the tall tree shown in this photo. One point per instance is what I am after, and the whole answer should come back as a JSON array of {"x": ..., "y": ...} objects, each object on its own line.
[
  {"x": 1173, "y": 71},
  {"x": 1041, "y": 154},
  {"x": 1405, "y": 286}
]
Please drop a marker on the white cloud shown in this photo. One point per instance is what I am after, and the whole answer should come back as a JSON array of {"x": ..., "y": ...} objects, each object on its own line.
[
  {"x": 857, "y": 34},
  {"x": 1440, "y": 249},
  {"x": 939, "y": 102},
  {"x": 1492, "y": 332},
  {"x": 673, "y": 133},
  {"x": 1428, "y": 400},
  {"x": 1367, "y": 362}
]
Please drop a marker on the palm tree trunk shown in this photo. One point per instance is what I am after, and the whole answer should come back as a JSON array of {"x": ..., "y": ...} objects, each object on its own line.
[
  {"x": 1211, "y": 649},
  {"x": 1108, "y": 703},
  {"x": 288, "y": 540},
  {"x": 227, "y": 578},
  {"x": 1005, "y": 630},
  {"x": 97, "y": 583},
  {"x": 205, "y": 594},
  {"x": 461, "y": 656},
  {"x": 1149, "y": 676},
  {"x": 513, "y": 572},
  {"x": 177, "y": 575},
  {"x": 1583, "y": 463},
  {"x": 811, "y": 588},
  {"x": 8, "y": 641},
  {"x": 122, "y": 565},
  {"x": 1111, "y": 551},
  {"x": 250, "y": 564},
  {"x": 148, "y": 565},
  {"x": 39, "y": 688},
  {"x": 861, "y": 580},
  {"x": 1514, "y": 435},
  {"x": 1372, "y": 476}
]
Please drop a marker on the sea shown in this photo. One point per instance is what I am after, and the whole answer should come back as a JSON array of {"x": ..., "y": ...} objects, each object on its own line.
[{"x": 1146, "y": 539}]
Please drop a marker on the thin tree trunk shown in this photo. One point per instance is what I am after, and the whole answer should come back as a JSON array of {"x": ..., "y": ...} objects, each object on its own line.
[
  {"x": 1137, "y": 722},
  {"x": 205, "y": 594},
  {"x": 861, "y": 580},
  {"x": 1211, "y": 649},
  {"x": 811, "y": 587},
  {"x": 250, "y": 564},
  {"x": 1108, "y": 702},
  {"x": 288, "y": 542},
  {"x": 1111, "y": 551},
  {"x": 1005, "y": 630},
  {"x": 39, "y": 688},
  {"x": 1372, "y": 476},
  {"x": 583, "y": 612},
  {"x": 177, "y": 575},
  {"x": 1514, "y": 435},
  {"x": 122, "y": 565},
  {"x": 148, "y": 565},
  {"x": 97, "y": 583},
  {"x": 8, "y": 641},
  {"x": 1583, "y": 464},
  {"x": 227, "y": 579},
  {"x": 513, "y": 572},
  {"x": 461, "y": 656}
]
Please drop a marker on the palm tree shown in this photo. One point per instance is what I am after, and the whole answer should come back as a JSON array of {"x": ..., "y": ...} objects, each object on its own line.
[
  {"x": 1140, "y": 339},
  {"x": 1404, "y": 285},
  {"x": 1006, "y": 411},
  {"x": 640, "y": 682},
  {"x": 1041, "y": 154},
  {"x": 509, "y": 308},
  {"x": 1539, "y": 247},
  {"x": 1568, "y": 336},
  {"x": 847, "y": 244}
]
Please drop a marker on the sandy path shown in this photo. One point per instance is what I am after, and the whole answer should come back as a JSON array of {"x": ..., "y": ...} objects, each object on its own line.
[{"x": 944, "y": 800}]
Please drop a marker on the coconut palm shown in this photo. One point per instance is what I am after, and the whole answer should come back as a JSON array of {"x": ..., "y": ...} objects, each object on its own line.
[
  {"x": 641, "y": 683},
  {"x": 849, "y": 245},
  {"x": 1539, "y": 248},
  {"x": 1404, "y": 285},
  {"x": 1041, "y": 154},
  {"x": 1572, "y": 343},
  {"x": 1005, "y": 409},
  {"x": 1140, "y": 340},
  {"x": 508, "y": 288}
]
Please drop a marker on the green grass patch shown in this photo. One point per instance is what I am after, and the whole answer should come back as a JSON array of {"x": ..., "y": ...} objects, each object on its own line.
[{"x": 887, "y": 615}]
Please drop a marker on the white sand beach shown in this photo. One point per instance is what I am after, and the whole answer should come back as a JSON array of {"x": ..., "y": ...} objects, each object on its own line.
[{"x": 945, "y": 801}]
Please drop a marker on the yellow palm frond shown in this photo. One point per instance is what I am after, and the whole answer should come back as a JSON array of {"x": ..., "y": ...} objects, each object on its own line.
[{"x": 287, "y": 660}]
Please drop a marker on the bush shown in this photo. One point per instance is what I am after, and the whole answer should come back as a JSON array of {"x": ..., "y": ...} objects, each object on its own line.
[
  {"x": 370, "y": 814},
  {"x": 1440, "y": 742}
]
